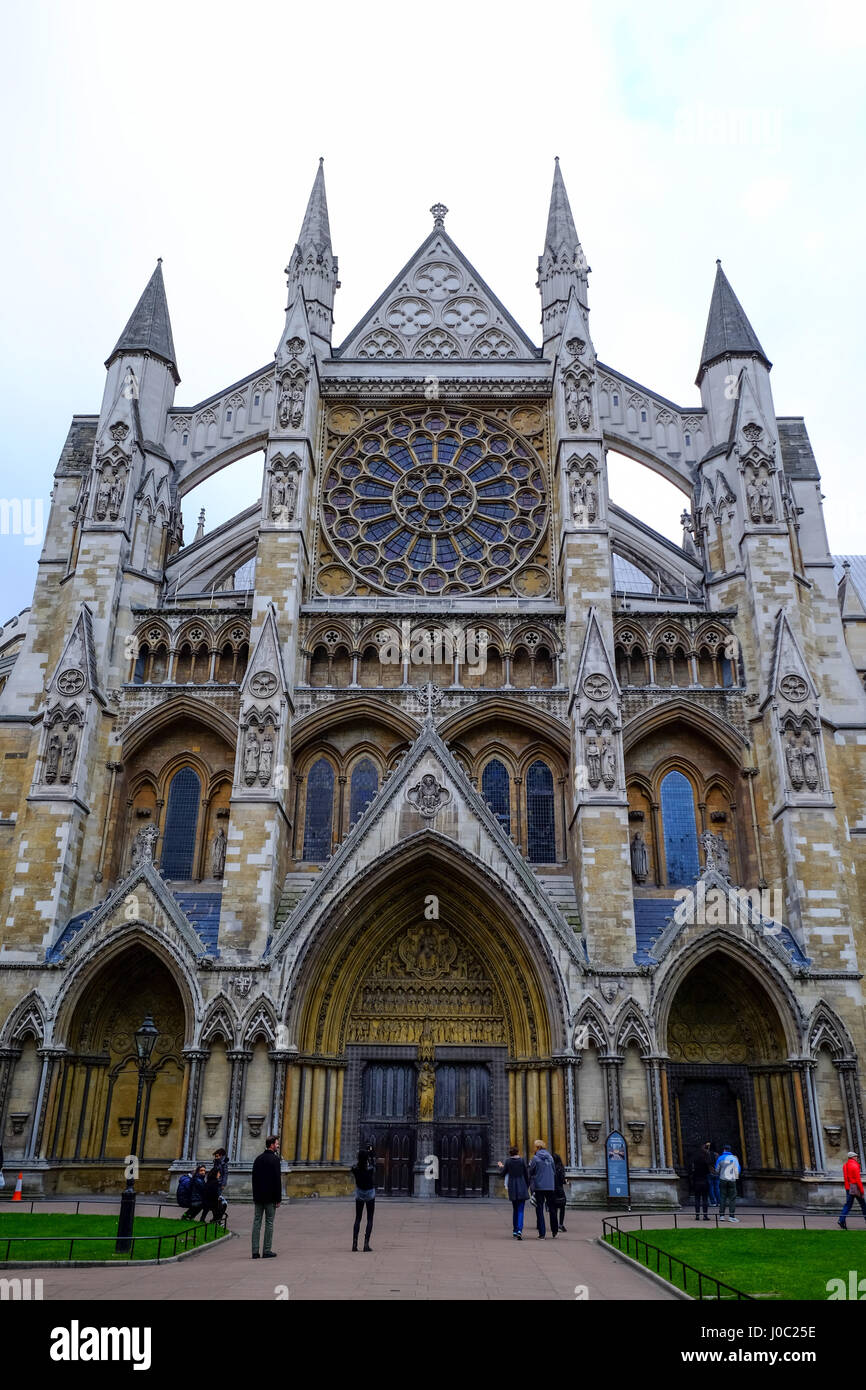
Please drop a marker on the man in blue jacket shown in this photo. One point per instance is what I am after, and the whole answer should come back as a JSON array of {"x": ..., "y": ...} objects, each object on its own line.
[
  {"x": 542, "y": 1179},
  {"x": 728, "y": 1171}
]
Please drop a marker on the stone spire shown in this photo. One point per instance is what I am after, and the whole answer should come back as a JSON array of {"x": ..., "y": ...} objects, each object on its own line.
[
  {"x": 562, "y": 264},
  {"x": 729, "y": 333},
  {"x": 148, "y": 331},
  {"x": 313, "y": 266}
]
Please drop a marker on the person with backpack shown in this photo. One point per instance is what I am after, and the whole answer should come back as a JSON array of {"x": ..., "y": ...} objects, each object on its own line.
[
  {"x": 701, "y": 1164},
  {"x": 728, "y": 1170},
  {"x": 516, "y": 1175},
  {"x": 267, "y": 1195},
  {"x": 559, "y": 1196},
  {"x": 543, "y": 1181},
  {"x": 364, "y": 1173},
  {"x": 853, "y": 1188},
  {"x": 190, "y": 1191}
]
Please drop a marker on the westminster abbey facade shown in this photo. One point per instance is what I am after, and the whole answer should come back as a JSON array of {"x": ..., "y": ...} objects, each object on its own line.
[{"x": 435, "y": 800}]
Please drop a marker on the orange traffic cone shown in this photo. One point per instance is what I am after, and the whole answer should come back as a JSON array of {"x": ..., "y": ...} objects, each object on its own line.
[{"x": 16, "y": 1195}]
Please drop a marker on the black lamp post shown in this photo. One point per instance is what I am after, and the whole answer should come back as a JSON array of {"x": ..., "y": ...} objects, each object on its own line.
[{"x": 145, "y": 1038}]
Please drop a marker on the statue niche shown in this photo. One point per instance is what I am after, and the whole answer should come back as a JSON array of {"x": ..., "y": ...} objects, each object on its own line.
[{"x": 759, "y": 494}]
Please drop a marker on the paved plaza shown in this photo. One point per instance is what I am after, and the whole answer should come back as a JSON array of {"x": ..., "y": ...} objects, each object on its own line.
[{"x": 421, "y": 1250}]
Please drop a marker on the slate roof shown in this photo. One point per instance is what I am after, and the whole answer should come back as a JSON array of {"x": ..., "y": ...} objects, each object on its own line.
[
  {"x": 651, "y": 916},
  {"x": 798, "y": 460}
]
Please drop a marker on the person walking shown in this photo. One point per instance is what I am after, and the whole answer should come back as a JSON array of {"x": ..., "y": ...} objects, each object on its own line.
[
  {"x": 701, "y": 1164},
  {"x": 853, "y": 1188},
  {"x": 543, "y": 1183},
  {"x": 712, "y": 1179},
  {"x": 267, "y": 1195},
  {"x": 559, "y": 1196},
  {"x": 364, "y": 1173},
  {"x": 516, "y": 1175},
  {"x": 728, "y": 1170}
]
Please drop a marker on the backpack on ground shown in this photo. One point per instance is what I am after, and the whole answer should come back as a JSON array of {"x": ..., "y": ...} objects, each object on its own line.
[{"x": 184, "y": 1190}]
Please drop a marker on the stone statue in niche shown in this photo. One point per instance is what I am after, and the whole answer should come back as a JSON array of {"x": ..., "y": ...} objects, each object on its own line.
[
  {"x": 266, "y": 759},
  {"x": 251, "y": 757},
  {"x": 218, "y": 854},
  {"x": 278, "y": 496},
  {"x": 67, "y": 757},
  {"x": 291, "y": 493},
  {"x": 103, "y": 497},
  {"x": 115, "y": 503},
  {"x": 593, "y": 762},
  {"x": 794, "y": 759},
  {"x": 572, "y": 402},
  {"x": 608, "y": 762},
  {"x": 590, "y": 500},
  {"x": 426, "y": 1093},
  {"x": 811, "y": 770},
  {"x": 284, "y": 404},
  {"x": 765, "y": 493},
  {"x": 578, "y": 514},
  {"x": 754, "y": 500},
  {"x": 639, "y": 858},
  {"x": 52, "y": 760},
  {"x": 584, "y": 405}
]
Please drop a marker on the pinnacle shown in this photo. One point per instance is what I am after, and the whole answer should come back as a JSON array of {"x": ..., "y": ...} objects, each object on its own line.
[
  {"x": 728, "y": 329},
  {"x": 149, "y": 327}
]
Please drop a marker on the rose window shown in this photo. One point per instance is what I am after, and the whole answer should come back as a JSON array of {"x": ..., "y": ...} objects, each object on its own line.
[{"x": 433, "y": 501}]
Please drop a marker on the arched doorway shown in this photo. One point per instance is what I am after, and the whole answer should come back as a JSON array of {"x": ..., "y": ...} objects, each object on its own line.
[
  {"x": 424, "y": 1015},
  {"x": 95, "y": 1092},
  {"x": 729, "y": 1078}
]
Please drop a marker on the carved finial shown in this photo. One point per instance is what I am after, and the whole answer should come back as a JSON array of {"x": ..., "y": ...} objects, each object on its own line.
[{"x": 439, "y": 212}]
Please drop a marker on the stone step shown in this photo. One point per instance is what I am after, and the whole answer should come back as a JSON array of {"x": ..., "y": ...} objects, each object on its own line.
[
  {"x": 560, "y": 889},
  {"x": 296, "y": 887}
]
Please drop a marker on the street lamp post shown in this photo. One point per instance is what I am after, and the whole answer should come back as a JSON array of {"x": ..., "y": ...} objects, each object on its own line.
[{"x": 145, "y": 1038}]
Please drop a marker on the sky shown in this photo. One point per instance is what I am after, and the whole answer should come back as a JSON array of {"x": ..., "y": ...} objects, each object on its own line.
[{"x": 192, "y": 131}]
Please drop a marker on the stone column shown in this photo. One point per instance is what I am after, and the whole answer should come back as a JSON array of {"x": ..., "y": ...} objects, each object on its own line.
[
  {"x": 8, "y": 1057},
  {"x": 611, "y": 1064},
  {"x": 280, "y": 1060},
  {"x": 196, "y": 1060},
  {"x": 657, "y": 1124},
  {"x": 240, "y": 1059},
  {"x": 570, "y": 1067},
  {"x": 799, "y": 1069},
  {"x": 50, "y": 1057},
  {"x": 847, "y": 1068}
]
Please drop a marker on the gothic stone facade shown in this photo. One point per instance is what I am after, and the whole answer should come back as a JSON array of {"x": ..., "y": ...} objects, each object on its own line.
[{"x": 435, "y": 800}]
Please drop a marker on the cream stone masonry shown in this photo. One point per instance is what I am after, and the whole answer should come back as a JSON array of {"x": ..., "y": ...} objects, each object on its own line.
[{"x": 435, "y": 801}]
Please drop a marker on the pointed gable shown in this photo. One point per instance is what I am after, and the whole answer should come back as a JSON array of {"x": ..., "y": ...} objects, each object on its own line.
[
  {"x": 429, "y": 793},
  {"x": 728, "y": 333},
  {"x": 790, "y": 678},
  {"x": 75, "y": 672},
  {"x": 438, "y": 309}
]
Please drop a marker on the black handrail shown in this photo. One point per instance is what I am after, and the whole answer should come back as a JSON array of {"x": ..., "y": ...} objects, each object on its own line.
[
  {"x": 618, "y": 1232},
  {"x": 183, "y": 1233}
]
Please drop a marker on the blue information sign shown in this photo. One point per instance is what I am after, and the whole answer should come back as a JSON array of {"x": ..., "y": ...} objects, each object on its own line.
[{"x": 616, "y": 1157}]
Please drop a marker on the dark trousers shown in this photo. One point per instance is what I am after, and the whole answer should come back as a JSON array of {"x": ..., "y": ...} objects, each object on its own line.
[
  {"x": 850, "y": 1198},
  {"x": 540, "y": 1199},
  {"x": 702, "y": 1193},
  {"x": 370, "y": 1204},
  {"x": 560, "y": 1200}
]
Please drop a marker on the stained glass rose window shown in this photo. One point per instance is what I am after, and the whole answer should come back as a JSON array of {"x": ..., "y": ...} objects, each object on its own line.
[{"x": 430, "y": 501}]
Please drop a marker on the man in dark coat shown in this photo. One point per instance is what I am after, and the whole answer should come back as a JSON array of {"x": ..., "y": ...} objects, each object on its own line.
[
  {"x": 542, "y": 1177},
  {"x": 702, "y": 1163},
  {"x": 267, "y": 1195}
]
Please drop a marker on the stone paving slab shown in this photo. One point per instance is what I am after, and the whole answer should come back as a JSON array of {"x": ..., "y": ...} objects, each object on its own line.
[{"x": 421, "y": 1251}]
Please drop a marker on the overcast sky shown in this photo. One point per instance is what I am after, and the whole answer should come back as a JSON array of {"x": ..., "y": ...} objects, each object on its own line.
[{"x": 192, "y": 132}]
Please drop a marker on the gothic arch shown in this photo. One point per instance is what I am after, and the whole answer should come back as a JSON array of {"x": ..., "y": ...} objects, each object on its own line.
[
  {"x": 826, "y": 1029},
  {"x": 592, "y": 1018},
  {"x": 260, "y": 1022},
  {"x": 710, "y": 725},
  {"x": 632, "y": 1025},
  {"x": 27, "y": 1018},
  {"x": 365, "y": 708},
  {"x": 501, "y": 707},
  {"x": 220, "y": 1021},
  {"x": 162, "y": 716},
  {"x": 365, "y": 915}
]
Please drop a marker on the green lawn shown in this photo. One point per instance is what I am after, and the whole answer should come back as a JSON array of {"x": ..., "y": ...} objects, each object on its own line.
[
  {"x": 53, "y": 1233},
  {"x": 766, "y": 1264}
]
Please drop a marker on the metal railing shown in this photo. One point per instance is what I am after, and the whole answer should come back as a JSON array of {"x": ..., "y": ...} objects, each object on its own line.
[
  {"x": 189, "y": 1237},
  {"x": 613, "y": 1235}
]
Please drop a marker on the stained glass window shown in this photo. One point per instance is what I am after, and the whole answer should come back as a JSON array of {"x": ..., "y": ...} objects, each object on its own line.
[
  {"x": 494, "y": 788},
  {"x": 364, "y": 785},
  {"x": 178, "y": 849},
  {"x": 320, "y": 809},
  {"x": 539, "y": 814},
  {"x": 436, "y": 495},
  {"x": 680, "y": 829}
]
